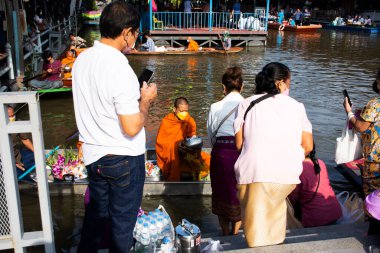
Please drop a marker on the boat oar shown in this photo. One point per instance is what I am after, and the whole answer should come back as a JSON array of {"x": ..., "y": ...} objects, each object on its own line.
[{"x": 72, "y": 136}]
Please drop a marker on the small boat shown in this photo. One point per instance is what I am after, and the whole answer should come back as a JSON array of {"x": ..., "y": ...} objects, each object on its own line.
[
  {"x": 352, "y": 171},
  {"x": 184, "y": 52},
  {"x": 295, "y": 28},
  {"x": 353, "y": 28}
]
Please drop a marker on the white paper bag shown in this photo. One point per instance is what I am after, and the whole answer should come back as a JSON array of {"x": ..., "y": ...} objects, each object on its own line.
[{"x": 348, "y": 146}]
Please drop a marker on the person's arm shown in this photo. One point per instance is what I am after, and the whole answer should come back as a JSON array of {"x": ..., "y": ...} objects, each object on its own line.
[
  {"x": 28, "y": 144},
  {"x": 133, "y": 123},
  {"x": 192, "y": 128},
  {"x": 239, "y": 139},
  {"x": 307, "y": 142},
  {"x": 359, "y": 124}
]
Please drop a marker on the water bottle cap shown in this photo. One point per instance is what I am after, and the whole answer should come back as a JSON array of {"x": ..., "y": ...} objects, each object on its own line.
[
  {"x": 166, "y": 240},
  {"x": 140, "y": 221},
  {"x": 159, "y": 219},
  {"x": 152, "y": 222},
  {"x": 146, "y": 225},
  {"x": 150, "y": 213}
]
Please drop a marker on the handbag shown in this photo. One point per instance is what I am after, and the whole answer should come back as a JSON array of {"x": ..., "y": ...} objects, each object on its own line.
[
  {"x": 348, "y": 146},
  {"x": 213, "y": 137}
]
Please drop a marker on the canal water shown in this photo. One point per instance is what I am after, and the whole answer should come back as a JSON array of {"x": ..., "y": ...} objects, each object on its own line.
[{"x": 322, "y": 65}]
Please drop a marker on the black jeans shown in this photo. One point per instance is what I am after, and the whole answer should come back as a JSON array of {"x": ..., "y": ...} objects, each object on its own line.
[{"x": 116, "y": 185}]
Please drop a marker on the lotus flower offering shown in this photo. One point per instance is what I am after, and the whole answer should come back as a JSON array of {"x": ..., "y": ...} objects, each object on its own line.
[
  {"x": 66, "y": 164},
  {"x": 152, "y": 169}
]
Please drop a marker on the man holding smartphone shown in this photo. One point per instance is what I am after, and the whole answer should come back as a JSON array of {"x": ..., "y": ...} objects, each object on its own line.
[{"x": 111, "y": 111}]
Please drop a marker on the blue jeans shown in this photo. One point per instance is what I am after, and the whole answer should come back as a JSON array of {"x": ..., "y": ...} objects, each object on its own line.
[
  {"x": 27, "y": 158},
  {"x": 116, "y": 185}
]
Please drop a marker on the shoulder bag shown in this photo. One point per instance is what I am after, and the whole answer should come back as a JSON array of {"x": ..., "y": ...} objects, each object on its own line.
[{"x": 213, "y": 137}]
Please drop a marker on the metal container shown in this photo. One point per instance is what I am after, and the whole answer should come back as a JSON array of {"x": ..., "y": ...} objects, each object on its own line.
[{"x": 188, "y": 237}]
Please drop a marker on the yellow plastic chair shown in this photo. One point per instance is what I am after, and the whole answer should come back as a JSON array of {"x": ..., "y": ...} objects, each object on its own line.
[{"x": 157, "y": 24}]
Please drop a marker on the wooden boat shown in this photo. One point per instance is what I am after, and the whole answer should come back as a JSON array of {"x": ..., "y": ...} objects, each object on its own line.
[
  {"x": 352, "y": 171},
  {"x": 151, "y": 186},
  {"x": 184, "y": 52},
  {"x": 353, "y": 28},
  {"x": 290, "y": 28}
]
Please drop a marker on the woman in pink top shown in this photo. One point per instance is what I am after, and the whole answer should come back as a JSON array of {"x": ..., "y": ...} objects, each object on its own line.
[
  {"x": 313, "y": 199},
  {"x": 274, "y": 136}
]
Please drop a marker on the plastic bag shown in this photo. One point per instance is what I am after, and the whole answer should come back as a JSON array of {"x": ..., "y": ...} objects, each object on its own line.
[
  {"x": 348, "y": 146},
  {"x": 212, "y": 246},
  {"x": 352, "y": 208}
]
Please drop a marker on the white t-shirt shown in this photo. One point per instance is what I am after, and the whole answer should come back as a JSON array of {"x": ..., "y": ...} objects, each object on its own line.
[
  {"x": 218, "y": 111},
  {"x": 105, "y": 86}
]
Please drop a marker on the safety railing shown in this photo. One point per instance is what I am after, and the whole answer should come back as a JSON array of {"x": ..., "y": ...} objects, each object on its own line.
[
  {"x": 12, "y": 233},
  {"x": 202, "y": 20}
]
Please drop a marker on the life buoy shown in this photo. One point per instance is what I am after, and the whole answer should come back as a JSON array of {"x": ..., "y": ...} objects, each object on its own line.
[{"x": 281, "y": 27}]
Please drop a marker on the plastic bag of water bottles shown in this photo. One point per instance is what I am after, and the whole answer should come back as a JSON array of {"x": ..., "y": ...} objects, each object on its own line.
[{"x": 154, "y": 232}]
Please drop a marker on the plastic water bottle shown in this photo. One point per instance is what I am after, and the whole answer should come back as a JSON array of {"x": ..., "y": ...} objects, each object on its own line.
[
  {"x": 139, "y": 226},
  {"x": 153, "y": 231},
  {"x": 167, "y": 245},
  {"x": 144, "y": 237},
  {"x": 160, "y": 228}
]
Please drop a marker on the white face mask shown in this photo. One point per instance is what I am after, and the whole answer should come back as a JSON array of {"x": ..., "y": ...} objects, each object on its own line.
[
  {"x": 133, "y": 45},
  {"x": 188, "y": 40}
]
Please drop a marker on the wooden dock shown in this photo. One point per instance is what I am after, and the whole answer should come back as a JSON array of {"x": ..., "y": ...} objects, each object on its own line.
[{"x": 177, "y": 37}]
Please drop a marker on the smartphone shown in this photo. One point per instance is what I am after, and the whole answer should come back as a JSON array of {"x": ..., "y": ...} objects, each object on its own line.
[
  {"x": 345, "y": 94},
  {"x": 145, "y": 76}
]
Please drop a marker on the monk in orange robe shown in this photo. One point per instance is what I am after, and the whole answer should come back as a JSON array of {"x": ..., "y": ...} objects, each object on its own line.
[
  {"x": 174, "y": 128},
  {"x": 68, "y": 62},
  {"x": 193, "y": 45}
]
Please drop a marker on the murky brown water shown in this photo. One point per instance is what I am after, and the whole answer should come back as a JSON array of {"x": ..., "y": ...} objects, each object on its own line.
[{"x": 322, "y": 64}]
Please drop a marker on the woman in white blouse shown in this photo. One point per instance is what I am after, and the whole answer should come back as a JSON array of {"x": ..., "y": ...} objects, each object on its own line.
[{"x": 224, "y": 153}]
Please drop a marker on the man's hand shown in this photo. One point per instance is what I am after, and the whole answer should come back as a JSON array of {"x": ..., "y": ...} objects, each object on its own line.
[
  {"x": 148, "y": 92},
  {"x": 20, "y": 166},
  {"x": 49, "y": 70},
  {"x": 346, "y": 105}
]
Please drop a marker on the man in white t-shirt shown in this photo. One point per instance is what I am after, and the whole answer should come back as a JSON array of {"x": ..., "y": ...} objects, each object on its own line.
[{"x": 111, "y": 111}]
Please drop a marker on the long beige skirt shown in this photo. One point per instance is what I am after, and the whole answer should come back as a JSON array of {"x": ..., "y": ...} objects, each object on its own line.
[{"x": 263, "y": 211}]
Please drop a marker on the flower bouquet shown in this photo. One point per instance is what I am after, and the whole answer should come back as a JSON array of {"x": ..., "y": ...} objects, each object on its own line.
[
  {"x": 66, "y": 165},
  {"x": 152, "y": 171}
]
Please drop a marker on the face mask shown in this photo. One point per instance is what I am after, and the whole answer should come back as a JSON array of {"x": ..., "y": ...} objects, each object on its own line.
[
  {"x": 182, "y": 115},
  {"x": 188, "y": 40},
  {"x": 132, "y": 47},
  {"x": 12, "y": 119}
]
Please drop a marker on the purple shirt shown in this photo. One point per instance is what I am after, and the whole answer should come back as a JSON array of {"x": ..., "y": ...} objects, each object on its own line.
[{"x": 56, "y": 67}]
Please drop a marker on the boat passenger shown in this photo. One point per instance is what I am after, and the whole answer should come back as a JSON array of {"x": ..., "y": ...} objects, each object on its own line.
[
  {"x": 292, "y": 22},
  {"x": 276, "y": 125},
  {"x": 193, "y": 45},
  {"x": 226, "y": 40},
  {"x": 175, "y": 127},
  {"x": 224, "y": 154},
  {"x": 368, "y": 124},
  {"x": 67, "y": 63},
  {"x": 281, "y": 16},
  {"x": 77, "y": 41},
  {"x": 148, "y": 45},
  {"x": 313, "y": 199},
  {"x": 51, "y": 78},
  {"x": 22, "y": 148},
  {"x": 298, "y": 17},
  {"x": 368, "y": 22},
  {"x": 306, "y": 17}
]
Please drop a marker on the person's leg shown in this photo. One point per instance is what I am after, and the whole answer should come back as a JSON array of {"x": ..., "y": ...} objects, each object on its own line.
[
  {"x": 96, "y": 212},
  {"x": 224, "y": 225},
  {"x": 127, "y": 182},
  {"x": 27, "y": 158},
  {"x": 235, "y": 227}
]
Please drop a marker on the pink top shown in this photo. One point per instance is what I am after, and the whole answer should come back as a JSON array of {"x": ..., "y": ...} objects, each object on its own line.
[
  {"x": 272, "y": 150},
  {"x": 324, "y": 208}
]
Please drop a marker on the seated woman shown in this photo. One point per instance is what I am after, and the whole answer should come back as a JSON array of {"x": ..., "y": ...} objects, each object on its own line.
[
  {"x": 148, "y": 45},
  {"x": 313, "y": 199},
  {"x": 175, "y": 127}
]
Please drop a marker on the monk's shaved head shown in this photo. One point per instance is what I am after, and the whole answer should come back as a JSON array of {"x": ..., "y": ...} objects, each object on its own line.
[{"x": 179, "y": 101}]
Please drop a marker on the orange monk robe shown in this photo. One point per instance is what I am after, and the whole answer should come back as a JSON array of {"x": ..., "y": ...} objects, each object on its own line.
[
  {"x": 171, "y": 132},
  {"x": 68, "y": 61},
  {"x": 193, "y": 46}
]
